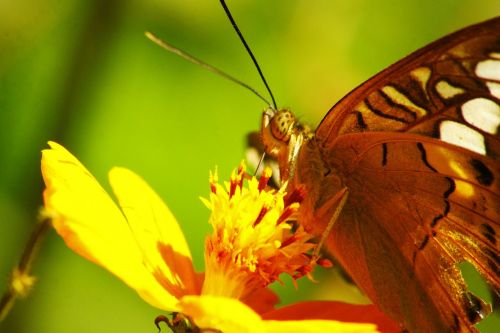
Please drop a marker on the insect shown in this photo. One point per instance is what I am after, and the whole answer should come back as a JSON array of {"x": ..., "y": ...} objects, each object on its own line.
[
  {"x": 402, "y": 176},
  {"x": 410, "y": 162}
]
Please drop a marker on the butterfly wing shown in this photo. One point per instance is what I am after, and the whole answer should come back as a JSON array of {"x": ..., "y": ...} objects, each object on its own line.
[
  {"x": 428, "y": 85},
  {"x": 418, "y": 148},
  {"x": 413, "y": 222}
]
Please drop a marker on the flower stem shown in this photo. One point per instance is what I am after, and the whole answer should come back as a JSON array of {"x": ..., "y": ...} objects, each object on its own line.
[{"x": 20, "y": 280}]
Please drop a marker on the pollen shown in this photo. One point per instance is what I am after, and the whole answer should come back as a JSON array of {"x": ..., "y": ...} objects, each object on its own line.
[{"x": 254, "y": 238}]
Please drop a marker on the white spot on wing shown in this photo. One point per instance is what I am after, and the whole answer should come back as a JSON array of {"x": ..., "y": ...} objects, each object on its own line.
[
  {"x": 489, "y": 69},
  {"x": 446, "y": 90},
  {"x": 494, "y": 88},
  {"x": 462, "y": 136},
  {"x": 482, "y": 113}
]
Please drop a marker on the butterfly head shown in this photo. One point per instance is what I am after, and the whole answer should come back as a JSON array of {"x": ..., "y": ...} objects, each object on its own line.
[{"x": 277, "y": 128}]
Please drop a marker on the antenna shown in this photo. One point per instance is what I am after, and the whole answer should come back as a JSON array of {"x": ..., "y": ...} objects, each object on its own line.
[
  {"x": 169, "y": 47},
  {"x": 190, "y": 58},
  {"x": 250, "y": 53}
]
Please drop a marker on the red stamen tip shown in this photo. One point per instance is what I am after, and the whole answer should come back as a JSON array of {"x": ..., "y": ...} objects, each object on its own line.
[
  {"x": 289, "y": 211},
  {"x": 261, "y": 215},
  {"x": 324, "y": 262},
  {"x": 264, "y": 179},
  {"x": 213, "y": 179},
  {"x": 232, "y": 188},
  {"x": 288, "y": 241},
  {"x": 297, "y": 195}
]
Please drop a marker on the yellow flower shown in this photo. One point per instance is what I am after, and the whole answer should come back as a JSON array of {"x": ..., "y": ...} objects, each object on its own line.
[
  {"x": 251, "y": 243},
  {"x": 140, "y": 242}
]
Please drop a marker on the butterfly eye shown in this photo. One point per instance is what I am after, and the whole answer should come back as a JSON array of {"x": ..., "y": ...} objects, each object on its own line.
[{"x": 282, "y": 124}]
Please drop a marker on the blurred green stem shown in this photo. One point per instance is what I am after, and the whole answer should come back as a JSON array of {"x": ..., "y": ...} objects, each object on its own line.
[
  {"x": 20, "y": 280},
  {"x": 87, "y": 59}
]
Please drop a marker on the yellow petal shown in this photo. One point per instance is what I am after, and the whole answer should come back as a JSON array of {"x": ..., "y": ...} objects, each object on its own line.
[
  {"x": 157, "y": 233},
  {"x": 222, "y": 313},
  {"x": 93, "y": 226},
  {"x": 232, "y": 316},
  {"x": 316, "y": 326}
]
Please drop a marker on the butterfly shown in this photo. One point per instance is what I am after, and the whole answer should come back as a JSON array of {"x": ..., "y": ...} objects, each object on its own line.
[{"x": 405, "y": 170}]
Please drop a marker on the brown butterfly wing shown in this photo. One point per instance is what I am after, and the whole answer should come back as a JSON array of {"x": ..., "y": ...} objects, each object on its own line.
[
  {"x": 406, "y": 94},
  {"x": 412, "y": 222},
  {"x": 417, "y": 205}
]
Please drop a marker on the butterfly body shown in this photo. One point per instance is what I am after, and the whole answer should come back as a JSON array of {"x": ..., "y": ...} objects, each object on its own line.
[{"x": 418, "y": 149}]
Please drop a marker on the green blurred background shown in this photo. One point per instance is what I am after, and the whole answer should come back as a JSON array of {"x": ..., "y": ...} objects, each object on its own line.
[{"x": 83, "y": 74}]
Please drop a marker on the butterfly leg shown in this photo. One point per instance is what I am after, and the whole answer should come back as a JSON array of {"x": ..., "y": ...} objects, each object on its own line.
[
  {"x": 339, "y": 200},
  {"x": 162, "y": 319},
  {"x": 289, "y": 156},
  {"x": 179, "y": 323}
]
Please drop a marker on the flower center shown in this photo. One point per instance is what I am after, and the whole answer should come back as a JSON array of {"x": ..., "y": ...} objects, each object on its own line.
[{"x": 253, "y": 240}]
